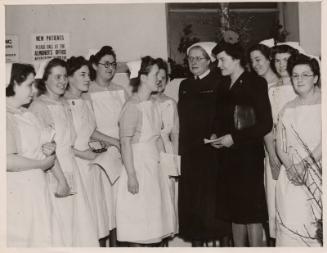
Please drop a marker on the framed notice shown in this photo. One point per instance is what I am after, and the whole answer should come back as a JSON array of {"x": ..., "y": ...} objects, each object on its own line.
[
  {"x": 50, "y": 45},
  {"x": 12, "y": 52}
]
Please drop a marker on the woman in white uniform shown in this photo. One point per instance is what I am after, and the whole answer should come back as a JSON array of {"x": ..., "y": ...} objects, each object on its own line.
[
  {"x": 76, "y": 225},
  {"x": 144, "y": 207},
  {"x": 29, "y": 155},
  {"x": 84, "y": 123},
  {"x": 107, "y": 99},
  {"x": 169, "y": 133},
  {"x": 259, "y": 55},
  {"x": 299, "y": 186}
]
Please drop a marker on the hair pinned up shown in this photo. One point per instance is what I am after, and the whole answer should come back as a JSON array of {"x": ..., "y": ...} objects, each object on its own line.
[
  {"x": 301, "y": 59},
  {"x": 95, "y": 59},
  {"x": 146, "y": 64},
  {"x": 235, "y": 50},
  {"x": 75, "y": 63},
  {"x": 19, "y": 74},
  {"x": 47, "y": 71}
]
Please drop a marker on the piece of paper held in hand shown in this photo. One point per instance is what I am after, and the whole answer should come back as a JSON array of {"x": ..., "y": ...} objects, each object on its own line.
[
  {"x": 111, "y": 162},
  {"x": 170, "y": 163},
  {"x": 207, "y": 141}
]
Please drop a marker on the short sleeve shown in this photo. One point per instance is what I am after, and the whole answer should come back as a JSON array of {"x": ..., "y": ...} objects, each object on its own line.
[
  {"x": 11, "y": 146},
  {"x": 129, "y": 120}
]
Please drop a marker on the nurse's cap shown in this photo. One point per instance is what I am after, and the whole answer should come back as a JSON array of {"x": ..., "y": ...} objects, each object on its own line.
[
  {"x": 8, "y": 73},
  {"x": 293, "y": 44},
  {"x": 134, "y": 67},
  {"x": 206, "y": 46},
  {"x": 91, "y": 52},
  {"x": 268, "y": 43},
  {"x": 41, "y": 68},
  {"x": 314, "y": 57}
]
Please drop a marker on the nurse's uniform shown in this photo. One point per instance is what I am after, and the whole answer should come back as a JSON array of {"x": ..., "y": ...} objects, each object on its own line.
[
  {"x": 168, "y": 111},
  {"x": 145, "y": 217},
  {"x": 28, "y": 196},
  {"x": 300, "y": 131},
  {"x": 107, "y": 105},
  {"x": 76, "y": 224},
  {"x": 84, "y": 123},
  {"x": 279, "y": 95}
]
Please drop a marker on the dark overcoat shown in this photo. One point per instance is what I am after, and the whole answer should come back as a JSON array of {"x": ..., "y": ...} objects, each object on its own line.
[
  {"x": 241, "y": 191},
  {"x": 199, "y": 163}
]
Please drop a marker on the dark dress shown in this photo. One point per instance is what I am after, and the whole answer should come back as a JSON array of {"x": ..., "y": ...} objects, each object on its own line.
[
  {"x": 199, "y": 163},
  {"x": 241, "y": 192}
]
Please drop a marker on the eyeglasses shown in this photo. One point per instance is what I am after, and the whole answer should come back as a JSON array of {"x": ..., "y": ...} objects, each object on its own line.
[
  {"x": 302, "y": 76},
  {"x": 109, "y": 64},
  {"x": 197, "y": 58}
]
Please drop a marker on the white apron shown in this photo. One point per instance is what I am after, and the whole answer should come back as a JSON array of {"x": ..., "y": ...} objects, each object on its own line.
[
  {"x": 278, "y": 96},
  {"x": 76, "y": 225},
  {"x": 107, "y": 106},
  {"x": 28, "y": 205},
  {"x": 84, "y": 123},
  {"x": 146, "y": 217},
  {"x": 166, "y": 110},
  {"x": 293, "y": 205}
]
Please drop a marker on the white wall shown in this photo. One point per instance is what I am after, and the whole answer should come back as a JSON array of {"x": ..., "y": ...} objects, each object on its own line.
[
  {"x": 133, "y": 30},
  {"x": 310, "y": 27}
]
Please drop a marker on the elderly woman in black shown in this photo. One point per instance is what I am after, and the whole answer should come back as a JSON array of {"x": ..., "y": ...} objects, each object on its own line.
[
  {"x": 197, "y": 189},
  {"x": 243, "y": 119}
]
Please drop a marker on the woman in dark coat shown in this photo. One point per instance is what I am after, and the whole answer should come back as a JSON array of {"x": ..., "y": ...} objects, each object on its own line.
[
  {"x": 243, "y": 119},
  {"x": 197, "y": 191}
]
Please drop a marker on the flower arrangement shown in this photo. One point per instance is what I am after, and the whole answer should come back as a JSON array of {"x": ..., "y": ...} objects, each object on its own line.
[{"x": 233, "y": 28}]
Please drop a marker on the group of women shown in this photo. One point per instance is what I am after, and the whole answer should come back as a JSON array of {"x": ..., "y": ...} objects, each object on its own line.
[
  {"x": 82, "y": 157},
  {"x": 86, "y": 161},
  {"x": 250, "y": 143}
]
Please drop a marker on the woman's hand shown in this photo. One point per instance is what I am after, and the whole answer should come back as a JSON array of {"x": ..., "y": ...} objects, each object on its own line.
[
  {"x": 132, "y": 184},
  {"x": 89, "y": 155},
  {"x": 214, "y": 144},
  {"x": 224, "y": 141},
  {"x": 275, "y": 165},
  {"x": 49, "y": 148},
  {"x": 47, "y": 162},
  {"x": 63, "y": 189}
]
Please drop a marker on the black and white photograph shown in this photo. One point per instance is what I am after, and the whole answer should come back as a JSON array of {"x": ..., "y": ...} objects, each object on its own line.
[{"x": 163, "y": 124}]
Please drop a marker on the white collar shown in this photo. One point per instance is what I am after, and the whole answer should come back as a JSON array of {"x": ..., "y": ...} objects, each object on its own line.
[{"x": 204, "y": 74}]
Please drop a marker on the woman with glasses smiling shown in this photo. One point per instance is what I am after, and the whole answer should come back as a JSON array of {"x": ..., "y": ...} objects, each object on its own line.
[
  {"x": 298, "y": 189},
  {"x": 107, "y": 100},
  {"x": 199, "y": 164}
]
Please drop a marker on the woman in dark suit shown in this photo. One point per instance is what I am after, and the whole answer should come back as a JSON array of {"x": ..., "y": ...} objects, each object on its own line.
[
  {"x": 243, "y": 119},
  {"x": 197, "y": 188}
]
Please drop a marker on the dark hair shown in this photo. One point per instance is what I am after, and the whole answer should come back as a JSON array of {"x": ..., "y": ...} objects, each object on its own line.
[
  {"x": 146, "y": 64},
  {"x": 263, "y": 49},
  {"x": 204, "y": 52},
  {"x": 47, "y": 71},
  {"x": 95, "y": 59},
  {"x": 281, "y": 49},
  {"x": 18, "y": 75},
  {"x": 236, "y": 51},
  {"x": 301, "y": 59},
  {"x": 162, "y": 65},
  {"x": 75, "y": 63}
]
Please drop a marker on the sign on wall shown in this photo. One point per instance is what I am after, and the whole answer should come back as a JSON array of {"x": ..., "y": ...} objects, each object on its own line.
[
  {"x": 50, "y": 45},
  {"x": 12, "y": 52}
]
